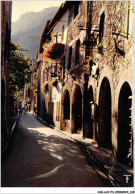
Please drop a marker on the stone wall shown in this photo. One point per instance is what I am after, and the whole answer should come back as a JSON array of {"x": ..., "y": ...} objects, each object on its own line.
[
  {"x": 6, "y": 7},
  {"x": 107, "y": 28},
  {"x": 74, "y": 76},
  {"x": 115, "y": 62}
]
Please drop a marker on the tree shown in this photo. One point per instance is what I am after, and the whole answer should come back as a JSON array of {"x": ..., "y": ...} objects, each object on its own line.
[{"x": 19, "y": 69}]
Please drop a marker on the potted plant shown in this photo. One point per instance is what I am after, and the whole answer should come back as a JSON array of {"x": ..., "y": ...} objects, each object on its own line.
[{"x": 53, "y": 51}]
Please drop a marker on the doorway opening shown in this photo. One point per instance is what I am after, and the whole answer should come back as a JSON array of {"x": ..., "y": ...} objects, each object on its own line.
[
  {"x": 125, "y": 141},
  {"x": 104, "y": 125},
  {"x": 77, "y": 110}
]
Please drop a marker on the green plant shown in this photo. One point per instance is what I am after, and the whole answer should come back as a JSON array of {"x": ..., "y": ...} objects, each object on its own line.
[
  {"x": 34, "y": 91},
  {"x": 100, "y": 48},
  {"x": 88, "y": 66},
  {"x": 19, "y": 71},
  {"x": 45, "y": 87}
]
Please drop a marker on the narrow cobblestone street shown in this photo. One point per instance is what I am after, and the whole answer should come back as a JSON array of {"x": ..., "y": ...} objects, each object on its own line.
[{"x": 42, "y": 157}]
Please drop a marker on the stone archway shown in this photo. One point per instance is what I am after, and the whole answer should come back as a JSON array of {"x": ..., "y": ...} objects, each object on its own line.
[
  {"x": 88, "y": 114},
  {"x": 65, "y": 111},
  {"x": 77, "y": 111},
  {"x": 67, "y": 106},
  {"x": 104, "y": 136},
  {"x": 125, "y": 141}
]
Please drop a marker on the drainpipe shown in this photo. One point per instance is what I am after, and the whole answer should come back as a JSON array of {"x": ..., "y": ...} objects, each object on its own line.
[
  {"x": 83, "y": 129},
  {"x": 128, "y": 7},
  {"x": 84, "y": 95}
]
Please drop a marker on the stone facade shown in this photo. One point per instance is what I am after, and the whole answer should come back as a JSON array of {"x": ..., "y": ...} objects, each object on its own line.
[
  {"x": 112, "y": 27},
  {"x": 106, "y": 39},
  {"x": 97, "y": 81},
  {"x": 6, "y": 7},
  {"x": 51, "y": 70},
  {"x": 33, "y": 87},
  {"x": 41, "y": 111},
  {"x": 74, "y": 76}
]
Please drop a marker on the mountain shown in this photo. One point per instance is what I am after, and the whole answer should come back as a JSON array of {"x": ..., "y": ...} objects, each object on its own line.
[{"x": 28, "y": 29}]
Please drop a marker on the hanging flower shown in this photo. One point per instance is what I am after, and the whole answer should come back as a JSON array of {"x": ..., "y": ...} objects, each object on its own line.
[
  {"x": 45, "y": 87},
  {"x": 53, "y": 51}
]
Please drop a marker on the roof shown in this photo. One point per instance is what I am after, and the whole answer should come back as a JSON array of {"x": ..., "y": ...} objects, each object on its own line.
[
  {"x": 49, "y": 25},
  {"x": 59, "y": 13},
  {"x": 43, "y": 36}
]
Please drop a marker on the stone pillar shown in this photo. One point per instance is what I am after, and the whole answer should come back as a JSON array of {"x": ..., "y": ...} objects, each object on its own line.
[{"x": 83, "y": 130}]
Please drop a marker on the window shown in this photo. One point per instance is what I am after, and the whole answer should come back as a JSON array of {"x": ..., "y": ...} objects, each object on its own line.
[
  {"x": 77, "y": 52},
  {"x": 76, "y": 9},
  {"x": 54, "y": 70},
  {"x": 62, "y": 33},
  {"x": 101, "y": 27},
  {"x": 70, "y": 57},
  {"x": 28, "y": 92}
]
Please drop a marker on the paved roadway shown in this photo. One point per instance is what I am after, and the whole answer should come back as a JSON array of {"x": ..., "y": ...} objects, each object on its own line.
[{"x": 43, "y": 157}]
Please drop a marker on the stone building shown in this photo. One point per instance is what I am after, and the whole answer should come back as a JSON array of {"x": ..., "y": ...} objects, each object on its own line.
[
  {"x": 29, "y": 94},
  {"x": 97, "y": 80},
  {"x": 53, "y": 40},
  {"x": 75, "y": 54},
  {"x": 33, "y": 87},
  {"x": 110, "y": 91},
  {"x": 6, "y": 7},
  {"x": 20, "y": 98},
  {"x": 41, "y": 111},
  {"x": 54, "y": 65}
]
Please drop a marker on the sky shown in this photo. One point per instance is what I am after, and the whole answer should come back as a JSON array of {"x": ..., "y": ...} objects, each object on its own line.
[{"x": 21, "y": 7}]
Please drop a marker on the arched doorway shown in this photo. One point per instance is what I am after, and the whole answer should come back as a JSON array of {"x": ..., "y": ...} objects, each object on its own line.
[
  {"x": 65, "y": 112},
  {"x": 104, "y": 124},
  {"x": 89, "y": 110},
  {"x": 124, "y": 125},
  {"x": 77, "y": 110},
  {"x": 67, "y": 106}
]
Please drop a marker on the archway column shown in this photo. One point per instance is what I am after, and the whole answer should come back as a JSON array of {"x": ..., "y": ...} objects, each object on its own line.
[
  {"x": 83, "y": 130},
  {"x": 62, "y": 115}
]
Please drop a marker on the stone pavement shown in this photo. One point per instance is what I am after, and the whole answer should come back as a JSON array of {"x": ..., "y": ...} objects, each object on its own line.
[
  {"x": 115, "y": 171},
  {"x": 42, "y": 157}
]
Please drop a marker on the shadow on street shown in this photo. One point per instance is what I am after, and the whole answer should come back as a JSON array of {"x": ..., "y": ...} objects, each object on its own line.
[{"x": 41, "y": 157}]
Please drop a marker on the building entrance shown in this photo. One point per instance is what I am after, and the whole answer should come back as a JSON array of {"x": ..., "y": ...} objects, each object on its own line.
[
  {"x": 125, "y": 143},
  {"x": 104, "y": 125},
  {"x": 77, "y": 110},
  {"x": 89, "y": 114}
]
